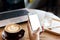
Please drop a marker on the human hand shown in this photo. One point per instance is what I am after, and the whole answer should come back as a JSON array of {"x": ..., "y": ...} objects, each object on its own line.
[{"x": 33, "y": 35}]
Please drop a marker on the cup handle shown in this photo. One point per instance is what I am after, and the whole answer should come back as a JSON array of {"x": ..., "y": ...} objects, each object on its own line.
[{"x": 22, "y": 32}]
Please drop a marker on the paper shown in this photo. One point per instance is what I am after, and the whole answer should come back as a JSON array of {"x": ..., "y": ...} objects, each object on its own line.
[{"x": 56, "y": 30}]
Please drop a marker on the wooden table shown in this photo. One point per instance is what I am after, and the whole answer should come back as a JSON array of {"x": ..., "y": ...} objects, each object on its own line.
[
  {"x": 49, "y": 36},
  {"x": 44, "y": 36},
  {"x": 24, "y": 26}
]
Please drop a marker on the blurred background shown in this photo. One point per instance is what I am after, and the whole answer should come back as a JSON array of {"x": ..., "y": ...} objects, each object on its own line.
[{"x": 46, "y": 5}]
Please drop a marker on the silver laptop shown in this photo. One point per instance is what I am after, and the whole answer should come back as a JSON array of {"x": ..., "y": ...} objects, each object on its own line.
[{"x": 14, "y": 16}]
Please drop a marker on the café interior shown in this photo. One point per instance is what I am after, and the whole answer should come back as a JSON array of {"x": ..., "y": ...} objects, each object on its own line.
[{"x": 17, "y": 12}]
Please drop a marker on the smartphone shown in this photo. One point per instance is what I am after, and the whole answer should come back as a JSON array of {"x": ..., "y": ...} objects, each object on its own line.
[{"x": 34, "y": 22}]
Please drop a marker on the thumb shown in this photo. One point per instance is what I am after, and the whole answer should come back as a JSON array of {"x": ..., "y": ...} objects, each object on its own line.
[
  {"x": 38, "y": 30},
  {"x": 29, "y": 27}
]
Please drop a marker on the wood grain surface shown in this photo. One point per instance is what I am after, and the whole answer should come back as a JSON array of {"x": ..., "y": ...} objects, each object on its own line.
[{"x": 44, "y": 36}]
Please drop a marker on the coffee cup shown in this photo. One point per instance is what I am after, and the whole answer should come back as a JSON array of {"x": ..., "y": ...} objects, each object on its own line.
[{"x": 13, "y": 32}]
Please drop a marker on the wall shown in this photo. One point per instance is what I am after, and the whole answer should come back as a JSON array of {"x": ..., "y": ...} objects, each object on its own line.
[{"x": 32, "y": 5}]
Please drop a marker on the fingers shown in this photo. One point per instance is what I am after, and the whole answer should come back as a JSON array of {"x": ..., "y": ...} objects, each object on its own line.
[
  {"x": 42, "y": 28},
  {"x": 29, "y": 27},
  {"x": 38, "y": 30}
]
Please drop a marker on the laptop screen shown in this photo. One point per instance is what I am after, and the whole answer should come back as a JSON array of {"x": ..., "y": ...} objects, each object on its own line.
[{"x": 7, "y": 5}]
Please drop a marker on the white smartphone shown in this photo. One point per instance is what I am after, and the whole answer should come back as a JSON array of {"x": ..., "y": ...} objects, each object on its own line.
[{"x": 34, "y": 21}]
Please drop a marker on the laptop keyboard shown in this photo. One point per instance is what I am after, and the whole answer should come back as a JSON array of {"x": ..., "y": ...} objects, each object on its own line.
[{"x": 13, "y": 14}]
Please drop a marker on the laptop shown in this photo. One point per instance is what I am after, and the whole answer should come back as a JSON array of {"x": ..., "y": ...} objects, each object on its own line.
[{"x": 14, "y": 16}]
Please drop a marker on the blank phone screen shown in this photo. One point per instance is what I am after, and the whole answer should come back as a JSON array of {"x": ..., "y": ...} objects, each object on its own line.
[{"x": 34, "y": 21}]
